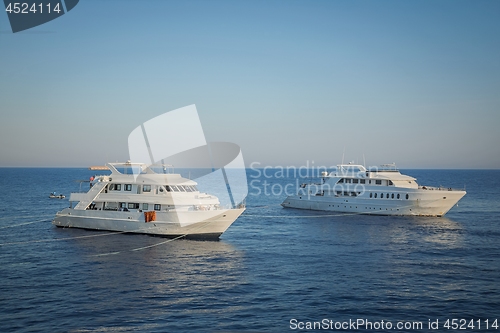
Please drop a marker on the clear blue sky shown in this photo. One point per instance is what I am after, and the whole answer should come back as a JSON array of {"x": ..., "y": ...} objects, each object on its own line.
[{"x": 411, "y": 82}]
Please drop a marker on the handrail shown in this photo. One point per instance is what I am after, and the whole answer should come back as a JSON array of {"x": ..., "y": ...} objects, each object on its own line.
[{"x": 440, "y": 188}]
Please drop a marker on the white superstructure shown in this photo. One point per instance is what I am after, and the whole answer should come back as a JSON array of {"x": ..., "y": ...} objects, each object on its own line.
[
  {"x": 382, "y": 191},
  {"x": 149, "y": 203}
]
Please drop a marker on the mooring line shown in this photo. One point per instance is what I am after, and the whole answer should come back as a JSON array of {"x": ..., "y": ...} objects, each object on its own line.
[
  {"x": 61, "y": 239},
  {"x": 303, "y": 216},
  {"x": 20, "y": 224},
  {"x": 139, "y": 248},
  {"x": 152, "y": 245},
  {"x": 23, "y": 217}
]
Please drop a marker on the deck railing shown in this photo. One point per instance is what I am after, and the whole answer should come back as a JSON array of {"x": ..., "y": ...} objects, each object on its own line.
[{"x": 441, "y": 188}]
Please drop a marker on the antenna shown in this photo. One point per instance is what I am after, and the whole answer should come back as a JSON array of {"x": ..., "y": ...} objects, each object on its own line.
[
  {"x": 343, "y": 153},
  {"x": 364, "y": 161}
]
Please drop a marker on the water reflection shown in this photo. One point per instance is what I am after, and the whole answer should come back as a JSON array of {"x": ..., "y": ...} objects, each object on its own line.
[
  {"x": 391, "y": 259},
  {"x": 390, "y": 231},
  {"x": 180, "y": 274},
  {"x": 441, "y": 231}
]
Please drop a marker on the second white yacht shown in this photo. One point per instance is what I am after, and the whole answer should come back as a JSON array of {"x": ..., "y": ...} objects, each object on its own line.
[{"x": 352, "y": 188}]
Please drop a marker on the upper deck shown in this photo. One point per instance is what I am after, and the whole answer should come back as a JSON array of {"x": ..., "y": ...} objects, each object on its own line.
[
  {"x": 141, "y": 173},
  {"x": 140, "y": 186},
  {"x": 385, "y": 171},
  {"x": 386, "y": 174}
]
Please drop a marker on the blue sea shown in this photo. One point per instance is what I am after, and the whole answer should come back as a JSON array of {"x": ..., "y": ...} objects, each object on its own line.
[{"x": 274, "y": 270}]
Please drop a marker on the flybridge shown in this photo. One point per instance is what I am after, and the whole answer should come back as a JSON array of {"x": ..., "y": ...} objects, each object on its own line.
[
  {"x": 360, "y": 171},
  {"x": 139, "y": 168},
  {"x": 385, "y": 168},
  {"x": 347, "y": 169}
]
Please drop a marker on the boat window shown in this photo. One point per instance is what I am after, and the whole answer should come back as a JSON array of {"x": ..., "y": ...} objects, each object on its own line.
[
  {"x": 145, "y": 206},
  {"x": 381, "y": 195},
  {"x": 128, "y": 187},
  {"x": 371, "y": 194},
  {"x": 390, "y": 182},
  {"x": 398, "y": 196},
  {"x": 168, "y": 188},
  {"x": 133, "y": 205},
  {"x": 340, "y": 181},
  {"x": 355, "y": 181},
  {"x": 181, "y": 188},
  {"x": 123, "y": 204},
  {"x": 157, "y": 207},
  {"x": 146, "y": 188},
  {"x": 194, "y": 188},
  {"x": 378, "y": 182},
  {"x": 348, "y": 181},
  {"x": 116, "y": 187},
  {"x": 362, "y": 181},
  {"x": 392, "y": 196},
  {"x": 188, "y": 188},
  {"x": 407, "y": 196},
  {"x": 369, "y": 182},
  {"x": 174, "y": 188},
  {"x": 375, "y": 195},
  {"x": 387, "y": 196}
]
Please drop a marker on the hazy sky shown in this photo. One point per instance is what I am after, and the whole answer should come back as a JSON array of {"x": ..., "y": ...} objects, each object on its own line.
[{"x": 411, "y": 82}]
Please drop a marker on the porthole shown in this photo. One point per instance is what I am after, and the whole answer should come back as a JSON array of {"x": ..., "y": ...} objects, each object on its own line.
[
  {"x": 387, "y": 196},
  {"x": 398, "y": 196},
  {"x": 392, "y": 196},
  {"x": 407, "y": 196},
  {"x": 375, "y": 195},
  {"x": 371, "y": 194}
]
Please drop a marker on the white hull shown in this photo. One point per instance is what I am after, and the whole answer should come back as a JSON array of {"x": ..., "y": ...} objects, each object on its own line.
[
  {"x": 421, "y": 203},
  {"x": 194, "y": 224}
]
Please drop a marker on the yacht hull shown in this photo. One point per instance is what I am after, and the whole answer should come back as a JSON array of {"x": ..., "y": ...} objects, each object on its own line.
[
  {"x": 421, "y": 203},
  {"x": 189, "y": 224}
]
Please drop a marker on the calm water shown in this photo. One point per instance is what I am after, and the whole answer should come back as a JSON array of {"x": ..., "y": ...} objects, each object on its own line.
[{"x": 271, "y": 266}]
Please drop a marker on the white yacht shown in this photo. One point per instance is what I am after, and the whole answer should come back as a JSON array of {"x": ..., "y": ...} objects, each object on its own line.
[
  {"x": 147, "y": 202},
  {"x": 352, "y": 188}
]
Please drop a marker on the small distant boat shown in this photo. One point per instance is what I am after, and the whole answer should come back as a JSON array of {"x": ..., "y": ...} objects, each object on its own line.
[{"x": 53, "y": 195}]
